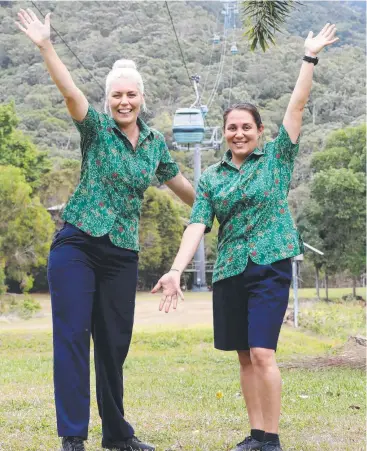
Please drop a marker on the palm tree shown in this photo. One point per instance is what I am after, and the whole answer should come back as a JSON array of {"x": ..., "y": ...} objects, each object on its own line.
[{"x": 263, "y": 19}]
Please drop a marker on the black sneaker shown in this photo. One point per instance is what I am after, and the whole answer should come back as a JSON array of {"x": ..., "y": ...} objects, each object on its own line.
[
  {"x": 248, "y": 444},
  {"x": 133, "y": 444},
  {"x": 72, "y": 444},
  {"x": 271, "y": 446}
]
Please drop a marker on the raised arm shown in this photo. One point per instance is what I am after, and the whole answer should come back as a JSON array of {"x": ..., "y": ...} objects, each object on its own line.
[
  {"x": 39, "y": 34},
  {"x": 313, "y": 45},
  {"x": 170, "y": 282}
]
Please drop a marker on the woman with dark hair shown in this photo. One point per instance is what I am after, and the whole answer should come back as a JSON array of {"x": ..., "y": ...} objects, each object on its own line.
[
  {"x": 247, "y": 192},
  {"x": 93, "y": 262}
]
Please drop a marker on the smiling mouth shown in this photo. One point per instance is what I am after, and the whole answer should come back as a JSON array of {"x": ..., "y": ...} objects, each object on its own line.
[
  {"x": 239, "y": 143},
  {"x": 124, "y": 111}
]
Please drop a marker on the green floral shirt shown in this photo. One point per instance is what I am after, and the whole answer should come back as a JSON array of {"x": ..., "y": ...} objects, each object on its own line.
[
  {"x": 251, "y": 206},
  {"x": 114, "y": 177}
]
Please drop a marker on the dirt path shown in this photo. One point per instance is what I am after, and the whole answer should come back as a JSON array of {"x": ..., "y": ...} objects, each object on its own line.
[{"x": 195, "y": 310}]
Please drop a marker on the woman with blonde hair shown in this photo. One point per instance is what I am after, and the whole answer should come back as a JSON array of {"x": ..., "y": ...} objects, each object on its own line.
[{"x": 93, "y": 263}]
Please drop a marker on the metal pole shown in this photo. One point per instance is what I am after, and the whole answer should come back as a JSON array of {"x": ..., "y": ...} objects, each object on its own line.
[
  {"x": 295, "y": 289},
  {"x": 199, "y": 274}
]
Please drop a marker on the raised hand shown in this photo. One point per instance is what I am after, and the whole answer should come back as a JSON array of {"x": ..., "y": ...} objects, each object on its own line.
[
  {"x": 170, "y": 285},
  {"x": 37, "y": 32},
  {"x": 313, "y": 45}
]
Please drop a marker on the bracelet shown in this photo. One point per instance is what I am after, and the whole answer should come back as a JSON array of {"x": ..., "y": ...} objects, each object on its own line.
[
  {"x": 310, "y": 59},
  {"x": 174, "y": 269}
]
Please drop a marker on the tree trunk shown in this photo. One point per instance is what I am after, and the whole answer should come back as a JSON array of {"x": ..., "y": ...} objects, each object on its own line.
[
  {"x": 317, "y": 282},
  {"x": 354, "y": 287},
  {"x": 326, "y": 285}
]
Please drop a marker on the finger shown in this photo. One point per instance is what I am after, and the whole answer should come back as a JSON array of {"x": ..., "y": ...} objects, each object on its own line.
[
  {"x": 32, "y": 14},
  {"x": 181, "y": 294},
  {"x": 20, "y": 27},
  {"x": 161, "y": 305},
  {"x": 48, "y": 19},
  {"x": 330, "y": 32},
  {"x": 22, "y": 19},
  {"x": 175, "y": 301},
  {"x": 157, "y": 287},
  {"x": 325, "y": 28},
  {"x": 168, "y": 303},
  {"x": 332, "y": 41},
  {"x": 26, "y": 16},
  {"x": 310, "y": 35}
]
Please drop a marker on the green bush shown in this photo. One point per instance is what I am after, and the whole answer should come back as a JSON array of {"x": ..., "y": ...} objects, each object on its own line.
[
  {"x": 25, "y": 307},
  {"x": 334, "y": 320}
]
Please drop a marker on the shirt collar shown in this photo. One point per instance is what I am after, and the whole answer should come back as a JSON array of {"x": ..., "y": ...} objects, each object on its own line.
[
  {"x": 145, "y": 130},
  {"x": 227, "y": 157}
]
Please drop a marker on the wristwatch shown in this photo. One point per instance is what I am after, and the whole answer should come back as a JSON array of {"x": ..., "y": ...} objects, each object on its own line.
[{"x": 309, "y": 59}]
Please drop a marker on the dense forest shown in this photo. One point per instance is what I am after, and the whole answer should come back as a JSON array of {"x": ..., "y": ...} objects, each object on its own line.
[{"x": 90, "y": 36}]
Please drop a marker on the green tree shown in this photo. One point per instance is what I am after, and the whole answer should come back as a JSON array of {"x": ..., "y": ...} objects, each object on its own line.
[
  {"x": 58, "y": 184},
  {"x": 170, "y": 227},
  {"x": 307, "y": 222},
  {"x": 339, "y": 214},
  {"x": 344, "y": 148},
  {"x": 26, "y": 228},
  {"x": 17, "y": 150},
  {"x": 150, "y": 241},
  {"x": 335, "y": 213},
  {"x": 161, "y": 228}
]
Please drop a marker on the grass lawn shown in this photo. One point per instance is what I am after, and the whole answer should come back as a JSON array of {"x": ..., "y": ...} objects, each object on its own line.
[
  {"x": 173, "y": 376},
  {"x": 334, "y": 293},
  {"x": 172, "y": 380}
]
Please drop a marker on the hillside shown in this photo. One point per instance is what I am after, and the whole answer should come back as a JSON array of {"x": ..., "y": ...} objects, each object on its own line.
[{"x": 101, "y": 32}]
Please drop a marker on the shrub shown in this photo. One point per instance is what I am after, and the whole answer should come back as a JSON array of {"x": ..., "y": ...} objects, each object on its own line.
[{"x": 14, "y": 305}]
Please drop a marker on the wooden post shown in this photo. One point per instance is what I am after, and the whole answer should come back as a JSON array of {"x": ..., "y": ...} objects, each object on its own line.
[{"x": 317, "y": 282}]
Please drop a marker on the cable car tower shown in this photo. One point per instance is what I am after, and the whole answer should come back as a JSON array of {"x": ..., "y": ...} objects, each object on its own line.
[
  {"x": 189, "y": 128},
  {"x": 230, "y": 12}
]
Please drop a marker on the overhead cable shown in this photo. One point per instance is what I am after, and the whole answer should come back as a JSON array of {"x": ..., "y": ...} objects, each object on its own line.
[
  {"x": 63, "y": 40},
  {"x": 178, "y": 42}
]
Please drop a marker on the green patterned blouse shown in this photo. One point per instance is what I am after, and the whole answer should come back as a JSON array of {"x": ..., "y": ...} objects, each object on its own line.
[
  {"x": 114, "y": 177},
  {"x": 251, "y": 206}
]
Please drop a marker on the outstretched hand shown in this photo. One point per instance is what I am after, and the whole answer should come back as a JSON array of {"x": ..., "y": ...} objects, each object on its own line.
[
  {"x": 170, "y": 285},
  {"x": 37, "y": 32},
  {"x": 326, "y": 37}
]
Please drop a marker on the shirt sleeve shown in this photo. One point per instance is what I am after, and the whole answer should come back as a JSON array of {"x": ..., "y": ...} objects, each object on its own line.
[
  {"x": 283, "y": 146},
  {"x": 88, "y": 128},
  {"x": 167, "y": 168},
  {"x": 202, "y": 210}
]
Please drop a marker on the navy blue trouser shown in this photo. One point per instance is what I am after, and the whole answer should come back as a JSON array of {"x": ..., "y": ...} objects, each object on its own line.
[{"x": 93, "y": 285}]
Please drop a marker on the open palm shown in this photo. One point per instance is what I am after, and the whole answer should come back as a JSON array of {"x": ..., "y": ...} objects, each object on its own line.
[
  {"x": 37, "y": 32},
  {"x": 170, "y": 285},
  {"x": 326, "y": 37}
]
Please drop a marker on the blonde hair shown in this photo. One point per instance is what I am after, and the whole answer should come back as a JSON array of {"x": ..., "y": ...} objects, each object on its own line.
[{"x": 123, "y": 69}]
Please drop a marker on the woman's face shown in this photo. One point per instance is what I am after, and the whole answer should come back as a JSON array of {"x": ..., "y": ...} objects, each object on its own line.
[
  {"x": 241, "y": 134},
  {"x": 125, "y": 101}
]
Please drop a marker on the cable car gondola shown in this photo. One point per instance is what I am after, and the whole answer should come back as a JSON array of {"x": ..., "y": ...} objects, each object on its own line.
[
  {"x": 234, "y": 49},
  {"x": 188, "y": 126},
  {"x": 216, "y": 38},
  {"x": 204, "y": 110}
]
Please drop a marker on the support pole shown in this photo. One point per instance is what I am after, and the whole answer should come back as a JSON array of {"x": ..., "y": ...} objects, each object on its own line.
[{"x": 199, "y": 258}]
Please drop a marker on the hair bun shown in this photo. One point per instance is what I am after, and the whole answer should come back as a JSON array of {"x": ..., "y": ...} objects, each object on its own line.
[{"x": 124, "y": 64}]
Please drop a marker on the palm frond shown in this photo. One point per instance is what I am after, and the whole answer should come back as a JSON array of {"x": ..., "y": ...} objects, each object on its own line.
[{"x": 264, "y": 19}]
